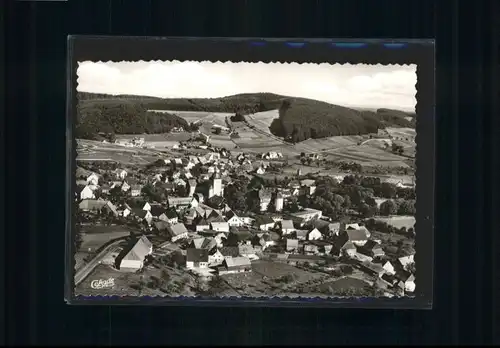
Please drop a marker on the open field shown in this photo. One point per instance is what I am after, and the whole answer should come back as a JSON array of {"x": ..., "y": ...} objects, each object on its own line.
[
  {"x": 273, "y": 270},
  {"x": 262, "y": 281},
  {"x": 205, "y": 117},
  {"x": 398, "y": 221},
  {"x": 92, "y": 242}
]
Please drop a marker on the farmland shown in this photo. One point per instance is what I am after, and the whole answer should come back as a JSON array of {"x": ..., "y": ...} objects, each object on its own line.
[{"x": 90, "y": 150}]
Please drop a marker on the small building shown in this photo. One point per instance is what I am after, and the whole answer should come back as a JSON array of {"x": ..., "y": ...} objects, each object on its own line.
[
  {"x": 196, "y": 258},
  {"x": 135, "y": 190},
  {"x": 315, "y": 234},
  {"x": 177, "y": 231},
  {"x": 142, "y": 215},
  {"x": 372, "y": 249},
  {"x": 292, "y": 245},
  {"x": 238, "y": 264},
  {"x": 308, "y": 214},
  {"x": 248, "y": 251},
  {"x": 219, "y": 226},
  {"x": 132, "y": 259},
  {"x": 265, "y": 198},
  {"x": 264, "y": 222},
  {"x": 201, "y": 224},
  {"x": 87, "y": 193},
  {"x": 406, "y": 279},
  {"x": 233, "y": 219},
  {"x": 389, "y": 268},
  {"x": 372, "y": 268},
  {"x": 286, "y": 227}
]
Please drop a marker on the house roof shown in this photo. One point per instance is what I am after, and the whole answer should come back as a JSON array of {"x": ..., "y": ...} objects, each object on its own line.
[
  {"x": 91, "y": 204},
  {"x": 204, "y": 243},
  {"x": 307, "y": 182},
  {"x": 239, "y": 261},
  {"x": 371, "y": 244},
  {"x": 179, "y": 200},
  {"x": 230, "y": 214},
  {"x": 263, "y": 220},
  {"x": 216, "y": 219},
  {"x": 218, "y": 224},
  {"x": 287, "y": 225},
  {"x": 373, "y": 266},
  {"x": 139, "y": 251},
  {"x": 246, "y": 249},
  {"x": 197, "y": 255},
  {"x": 139, "y": 212},
  {"x": 202, "y": 222},
  {"x": 161, "y": 225},
  {"x": 177, "y": 229},
  {"x": 356, "y": 235},
  {"x": 171, "y": 214},
  {"x": 302, "y": 233},
  {"x": 264, "y": 194},
  {"x": 157, "y": 210},
  {"x": 230, "y": 251}
]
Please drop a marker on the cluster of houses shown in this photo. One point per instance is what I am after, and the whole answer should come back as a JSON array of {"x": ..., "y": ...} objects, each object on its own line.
[{"x": 220, "y": 240}]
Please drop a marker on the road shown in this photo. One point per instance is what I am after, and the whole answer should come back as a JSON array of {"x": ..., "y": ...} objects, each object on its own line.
[{"x": 85, "y": 270}]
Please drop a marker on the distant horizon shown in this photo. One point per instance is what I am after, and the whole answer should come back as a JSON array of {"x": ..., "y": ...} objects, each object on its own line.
[
  {"x": 350, "y": 85},
  {"x": 285, "y": 96}
]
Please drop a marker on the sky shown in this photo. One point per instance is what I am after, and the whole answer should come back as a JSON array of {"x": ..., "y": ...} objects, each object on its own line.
[{"x": 357, "y": 85}]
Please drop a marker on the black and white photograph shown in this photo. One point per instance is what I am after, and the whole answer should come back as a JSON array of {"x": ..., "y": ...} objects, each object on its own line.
[{"x": 245, "y": 179}]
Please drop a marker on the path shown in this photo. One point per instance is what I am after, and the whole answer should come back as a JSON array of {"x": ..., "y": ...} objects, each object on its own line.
[{"x": 84, "y": 271}]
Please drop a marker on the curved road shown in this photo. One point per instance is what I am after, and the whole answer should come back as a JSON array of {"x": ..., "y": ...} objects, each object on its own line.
[{"x": 85, "y": 270}]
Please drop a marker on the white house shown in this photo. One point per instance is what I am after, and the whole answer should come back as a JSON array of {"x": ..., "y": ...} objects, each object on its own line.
[
  {"x": 315, "y": 234},
  {"x": 146, "y": 206},
  {"x": 215, "y": 259},
  {"x": 93, "y": 179},
  {"x": 121, "y": 174},
  {"x": 265, "y": 199},
  {"x": 260, "y": 170},
  {"x": 125, "y": 186},
  {"x": 220, "y": 226},
  {"x": 219, "y": 239},
  {"x": 233, "y": 219},
  {"x": 197, "y": 258},
  {"x": 389, "y": 268},
  {"x": 278, "y": 202},
  {"x": 126, "y": 212},
  {"x": 87, "y": 193},
  {"x": 292, "y": 245},
  {"x": 133, "y": 260},
  {"x": 202, "y": 225},
  {"x": 135, "y": 190}
]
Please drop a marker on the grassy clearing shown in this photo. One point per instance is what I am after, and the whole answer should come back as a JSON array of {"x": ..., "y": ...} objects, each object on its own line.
[{"x": 343, "y": 284}]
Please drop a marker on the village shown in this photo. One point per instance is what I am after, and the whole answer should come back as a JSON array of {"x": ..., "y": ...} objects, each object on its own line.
[{"x": 207, "y": 222}]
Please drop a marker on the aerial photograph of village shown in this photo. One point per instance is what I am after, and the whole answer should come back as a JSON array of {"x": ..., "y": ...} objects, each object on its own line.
[{"x": 244, "y": 180}]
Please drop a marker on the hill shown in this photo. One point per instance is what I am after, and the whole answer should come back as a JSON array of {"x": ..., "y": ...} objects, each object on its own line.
[{"x": 299, "y": 118}]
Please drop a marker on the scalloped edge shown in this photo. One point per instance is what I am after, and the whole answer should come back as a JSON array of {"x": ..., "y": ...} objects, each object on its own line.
[{"x": 81, "y": 297}]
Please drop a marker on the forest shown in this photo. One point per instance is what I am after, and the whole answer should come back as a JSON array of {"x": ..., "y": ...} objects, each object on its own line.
[{"x": 299, "y": 118}]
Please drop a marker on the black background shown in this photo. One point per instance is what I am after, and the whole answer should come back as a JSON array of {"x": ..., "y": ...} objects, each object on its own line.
[{"x": 34, "y": 139}]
